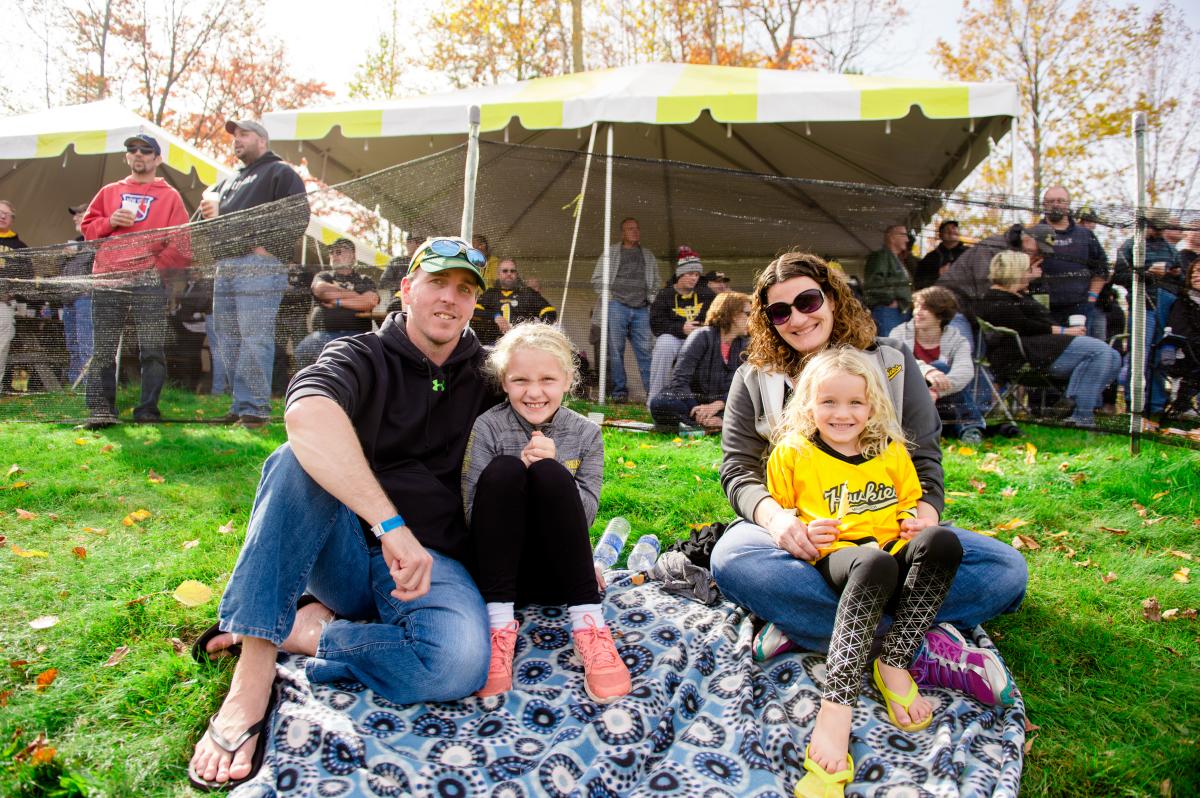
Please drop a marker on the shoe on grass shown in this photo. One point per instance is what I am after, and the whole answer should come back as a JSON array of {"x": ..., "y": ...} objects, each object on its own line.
[
  {"x": 770, "y": 642},
  {"x": 971, "y": 435},
  {"x": 946, "y": 659},
  {"x": 499, "y": 677},
  {"x": 253, "y": 422},
  {"x": 101, "y": 421},
  {"x": 605, "y": 677}
]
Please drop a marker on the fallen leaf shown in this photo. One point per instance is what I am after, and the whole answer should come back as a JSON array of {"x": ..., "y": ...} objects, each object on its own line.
[
  {"x": 80, "y": 552},
  {"x": 630, "y": 464},
  {"x": 25, "y": 515},
  {"x": 44, "y": 755},
  {"x": 140, "y": 515},
  {"x": 139, "y": 600},
  {"x": 116, "y": 656},
  {"x": 192, "y": 593},
  {"x": 3, "y": 540},
  {"x": 1164, "y": 789},
  {"x": 1183, "y": 555},
  {"x": 96, "y": 530},
  {"x": 44, "y": 622},
  {"x": 1077, "y": 478},
  {"x": 20, "y": 552},
  {"x": 18, "y": 485},
  {"x": 1159, "y": 495},
  {"x": 966, "y": 451},
  {"x": 13, "y": 469},
  {"x": 1016, "y": 523},
  {"x": 155, "y": 478},
  {"x": 1008, "y": 493},
  {"x": 1141, "y": 510},
  {"x": 697, "y": 477},
  {"x": 1064, "y": 466},
  {"x": 1059, "y": 535},
  {"x": 1030, "y": 454},
  {"x": 1025, "y": 542},
  {"x": 1182, "y": 575},
  {"x": 18, "y": 663},
  {"x": 225, "y": 529},
  {"x": 647, "y": 446},
  {"x": 1084, "y": 563},
  {"x": 1067, "y": 551},
  {"x": 1153, "y": 521},
  {"x": 46, "y": 678},
  {"x": 127, "y": 520},
  {"x": 962, "y": 493},
  {"x": 1151, "y": 610},
  {"x": 108, "y": 447},
  {"x": 4, "y": 695},
  {"x": 978, "y": 486},
  {"x": 1169, "y": 615},
  {"x": 991, "y": 463},
  {"x": 191, "y": 544},
  {"x": 1030, "y": 726},
  {"x": 1029, "y": 744},
  {"x": 1114, "y": 530},
  {"x": 82, "y": 441},
  {"x": 1108, "y": 577},
  {"x": 1189, "y": 613},
  {"x": 179, "y": 646}
]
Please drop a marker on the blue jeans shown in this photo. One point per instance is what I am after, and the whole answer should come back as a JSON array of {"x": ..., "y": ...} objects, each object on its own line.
[
  {"x": 755, "y": 573},
  {"x": 887, "y": 318},
  {"x": 1089, "y": 367},
  {"x": 301, "y": 539},
  {"x": 1156, "y": 382},
  {"x": 669, "y": 409},
  {"x": 220, "y": 382},
  {"x": 77, "y": 329},
  {"x": 146, "y": 307},
  {"x": 958, "y": 408},
  {"x": 246, "y": 297},
  {"x": 624, "y": 323},
  {"x": 308, "y": 350}
]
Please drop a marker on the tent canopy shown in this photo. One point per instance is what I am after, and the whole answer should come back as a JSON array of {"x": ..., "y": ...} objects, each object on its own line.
[{"x": 52, "y": 159}]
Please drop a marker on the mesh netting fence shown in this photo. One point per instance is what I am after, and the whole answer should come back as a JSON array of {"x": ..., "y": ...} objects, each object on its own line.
[{"x": 225, "y": 306}]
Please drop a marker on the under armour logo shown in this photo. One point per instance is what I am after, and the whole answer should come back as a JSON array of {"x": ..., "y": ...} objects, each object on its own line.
[{"x": 439, "y": 385}]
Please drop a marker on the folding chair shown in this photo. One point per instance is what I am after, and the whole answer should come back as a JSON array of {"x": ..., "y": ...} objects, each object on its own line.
[{"x": 1025, "y": 391}]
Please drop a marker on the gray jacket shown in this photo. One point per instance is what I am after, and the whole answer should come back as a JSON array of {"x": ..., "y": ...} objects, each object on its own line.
[
  {"x": 653, "y": 280},
  {"x": 955, "y": 353},
  {"x": 578, "y": 445},
  {"x": 754, "y": 410}
]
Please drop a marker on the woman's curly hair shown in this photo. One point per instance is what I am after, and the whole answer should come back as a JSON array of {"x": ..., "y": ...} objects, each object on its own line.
[{"x": 852, "y": 323}]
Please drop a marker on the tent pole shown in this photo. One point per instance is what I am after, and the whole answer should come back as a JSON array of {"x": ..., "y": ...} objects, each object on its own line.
[
  {"x": 468, "y": 217},
  {"x": 604, "y": 290},
  {"x": 1137, "y": 302},
  {"x": 662, "y": 143},
  {"x": 587, "y": 166}
]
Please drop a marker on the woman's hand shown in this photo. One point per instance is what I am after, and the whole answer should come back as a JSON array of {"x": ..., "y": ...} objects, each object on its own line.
[
  {"x": 939, "y": 382},
  {"x": 791, "y": 535}
]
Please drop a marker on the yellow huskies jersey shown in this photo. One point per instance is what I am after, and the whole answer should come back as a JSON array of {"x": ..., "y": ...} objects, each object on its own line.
[{"x": 869, "y": 497}]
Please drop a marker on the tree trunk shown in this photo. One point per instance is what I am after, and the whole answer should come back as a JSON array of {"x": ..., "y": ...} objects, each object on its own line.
[
  {"x": 102, "y": 86},
  {"x": 576, "y": 35}
]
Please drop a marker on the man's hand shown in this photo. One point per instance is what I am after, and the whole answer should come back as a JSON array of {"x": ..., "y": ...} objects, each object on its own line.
[
  {"x": 261, "y": 252},
  {"x": 599, "y": 578},
  {"x": 122, "y": 217},
  {"x": 209, "y": 208},
  {"x": 690, "y": 326},
  {"x": 1158, "y": 269},
  {"x": 791, "y": 535},
  {"x": 539, "y": 448},
  {"x": 409, "y": 564},
  {"x": 502, "y": 324},
  {"x": 911, "y": 527}
]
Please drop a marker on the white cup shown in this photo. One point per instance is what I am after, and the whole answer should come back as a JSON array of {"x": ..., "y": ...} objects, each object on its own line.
[
  {"x": 130, "y": 205},
  {"x": 1077, "y": 320}
]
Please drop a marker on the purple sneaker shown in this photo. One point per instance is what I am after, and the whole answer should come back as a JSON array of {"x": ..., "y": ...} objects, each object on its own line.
[
  {"x": 770, "y": 642},
  {"x": 946, "y": 659}
]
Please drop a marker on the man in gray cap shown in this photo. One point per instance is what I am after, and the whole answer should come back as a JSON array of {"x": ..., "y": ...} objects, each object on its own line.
[{"x": 251, "y": 252}]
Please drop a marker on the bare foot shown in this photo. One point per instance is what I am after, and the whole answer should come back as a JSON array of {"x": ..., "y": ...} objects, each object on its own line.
[
  {"x": 898, "y": 680},
  {"x": 249, "y": 693},
  {"x": 830, "y": 741},
  {"x": 219, "y": 645},
  {"x": 306, "y": 629}
]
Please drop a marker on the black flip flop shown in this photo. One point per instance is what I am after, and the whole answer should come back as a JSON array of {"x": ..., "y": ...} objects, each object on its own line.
[
  {"x": 200, "y": 651},
  {"x": 260, "y": 749}
]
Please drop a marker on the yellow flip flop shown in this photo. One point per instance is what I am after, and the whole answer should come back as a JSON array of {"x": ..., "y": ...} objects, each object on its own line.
[
  {"x": 818, "y": 783},
  {"x": 904, "y": 701}
]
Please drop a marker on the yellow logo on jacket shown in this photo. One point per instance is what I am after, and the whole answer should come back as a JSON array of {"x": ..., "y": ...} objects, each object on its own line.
[
  {"x": 572, "y": 466},
  {"x": 893, "y": 371}
]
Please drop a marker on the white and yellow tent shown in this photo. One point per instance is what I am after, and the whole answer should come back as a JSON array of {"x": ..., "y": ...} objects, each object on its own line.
[{"x": 53, "y": 159}]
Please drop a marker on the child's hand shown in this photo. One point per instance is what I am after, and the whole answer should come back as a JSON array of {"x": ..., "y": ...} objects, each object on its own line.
[
  {"x": 539, "y": 448},
  {"x": 911, "y": 527},
  {"x": 823, "y": 531}
]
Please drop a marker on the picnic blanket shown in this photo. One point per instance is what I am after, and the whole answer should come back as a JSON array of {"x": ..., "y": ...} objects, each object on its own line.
[{"x": 703, "y": 719}]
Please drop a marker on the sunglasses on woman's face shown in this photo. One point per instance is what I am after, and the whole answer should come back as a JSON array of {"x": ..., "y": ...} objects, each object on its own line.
[{"x": 806, "y": 302}]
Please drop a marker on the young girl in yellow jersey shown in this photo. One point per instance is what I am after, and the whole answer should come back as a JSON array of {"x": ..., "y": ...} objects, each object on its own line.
[{"x": 840, "y": 462}]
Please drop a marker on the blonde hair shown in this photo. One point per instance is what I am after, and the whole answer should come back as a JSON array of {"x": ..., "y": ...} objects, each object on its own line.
[
  {"x": 882, "y": 426},
  {"x": 1008, "y": 268},
  {"x": 537, "y": 335}
]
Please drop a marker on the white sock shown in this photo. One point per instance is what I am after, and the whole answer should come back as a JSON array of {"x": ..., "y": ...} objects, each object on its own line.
[
  {"x": 579, "y": 612},
  {"x": 500, "y": 614}
]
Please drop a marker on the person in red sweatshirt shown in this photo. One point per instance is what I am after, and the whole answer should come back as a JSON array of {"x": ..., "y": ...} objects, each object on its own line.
[{"x": 135, "y": 270}]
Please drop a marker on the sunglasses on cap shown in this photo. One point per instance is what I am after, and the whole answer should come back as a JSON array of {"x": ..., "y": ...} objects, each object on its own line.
[
  {"x": 448, "y": 248},
  {"x": 808, "y": 301},
  {"x": 142, "y": 150}
]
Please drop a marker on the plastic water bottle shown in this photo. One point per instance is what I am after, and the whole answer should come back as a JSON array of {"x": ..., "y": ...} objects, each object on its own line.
[
  {"x": 608, "y": 548},
  {"x": 645, "y": 553}
]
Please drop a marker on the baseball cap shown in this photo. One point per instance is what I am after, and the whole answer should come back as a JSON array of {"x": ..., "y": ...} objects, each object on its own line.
[
  {"x": 74, "y": 209},
  {"x": 1043, "y": 234},
  {"x": 945, "y": 223},
  {"x": 341, "y": 243},
  {"x": 687, "y": 261},
  {"x": 448, "y": 252},
  {"x": 148, "y": 140},
  {"x": 246, "y": 124},
  {"x": 716, "y": 277}
]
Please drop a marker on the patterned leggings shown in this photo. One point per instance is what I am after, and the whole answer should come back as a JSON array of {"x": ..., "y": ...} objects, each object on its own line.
[{"x": 911, "y": 584}]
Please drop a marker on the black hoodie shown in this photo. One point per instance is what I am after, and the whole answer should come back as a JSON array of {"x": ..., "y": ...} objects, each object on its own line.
[
  {"x": 412, "y": 418},
  {"x": 268, "y": 180}
]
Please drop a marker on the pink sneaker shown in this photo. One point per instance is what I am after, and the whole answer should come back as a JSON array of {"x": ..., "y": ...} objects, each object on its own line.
[
  {"x": 946, "y": 659},
  {"x": 605, "y": 676},
  {"x": 499, "y": 678},
  {"x": 770, "y": 642}
]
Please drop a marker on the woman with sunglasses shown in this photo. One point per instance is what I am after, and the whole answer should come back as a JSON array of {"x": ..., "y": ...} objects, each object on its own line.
[{"x": 800, "y": 307}]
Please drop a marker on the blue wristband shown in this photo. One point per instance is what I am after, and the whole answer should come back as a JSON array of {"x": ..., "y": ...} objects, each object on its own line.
[{"x": 389, "y": 525}]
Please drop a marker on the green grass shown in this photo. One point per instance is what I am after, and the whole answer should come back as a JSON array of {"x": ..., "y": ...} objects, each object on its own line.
[{"x": 1117, "y": 697}]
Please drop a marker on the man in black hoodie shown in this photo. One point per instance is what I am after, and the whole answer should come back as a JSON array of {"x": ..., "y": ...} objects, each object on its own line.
[
  {"x": 251, "y": 251},
  {"x": 377, "y": 429}
]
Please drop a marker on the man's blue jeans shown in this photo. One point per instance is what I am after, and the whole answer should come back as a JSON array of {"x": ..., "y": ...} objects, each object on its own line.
[
  {"x": 77, "y": 329},
  {"x": 755, "y": 573},
  {"x": 301, "y": 539},
  {"x": 1089, "y": 367},
  {"x": 632, "y": 323},
  {"x": 246, "y": 296},
  {"x": 308, "y": 350},
  {"x": 1156, "y": 380},
  {"x": 220, "y": 382}
]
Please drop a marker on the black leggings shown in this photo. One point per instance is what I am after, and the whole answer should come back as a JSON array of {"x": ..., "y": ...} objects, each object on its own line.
[
  {"x": 530, "y": 535},
  {"x": 911, "y": 584}
]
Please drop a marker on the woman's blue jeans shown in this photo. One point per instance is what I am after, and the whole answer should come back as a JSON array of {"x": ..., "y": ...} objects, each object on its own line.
[
  {"x": 1090, "y": 366},
  {"x": 755, "y": 573},
  {"x": 301, "y": 539}
]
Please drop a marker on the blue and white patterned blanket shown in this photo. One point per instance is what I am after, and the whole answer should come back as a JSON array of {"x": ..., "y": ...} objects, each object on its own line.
[{"x": 703, "y": 719}]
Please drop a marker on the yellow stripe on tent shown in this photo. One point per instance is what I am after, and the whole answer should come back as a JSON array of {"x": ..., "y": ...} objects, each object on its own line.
[
  {"x": 183, "y": 161},
  {"x": 90, "y": 142},
  {"x": 535, "y": 115},
  {"x": 729, "y": 93},
  {"x": 883, "y": 98},
  {"x": 354, "y": 124}
]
